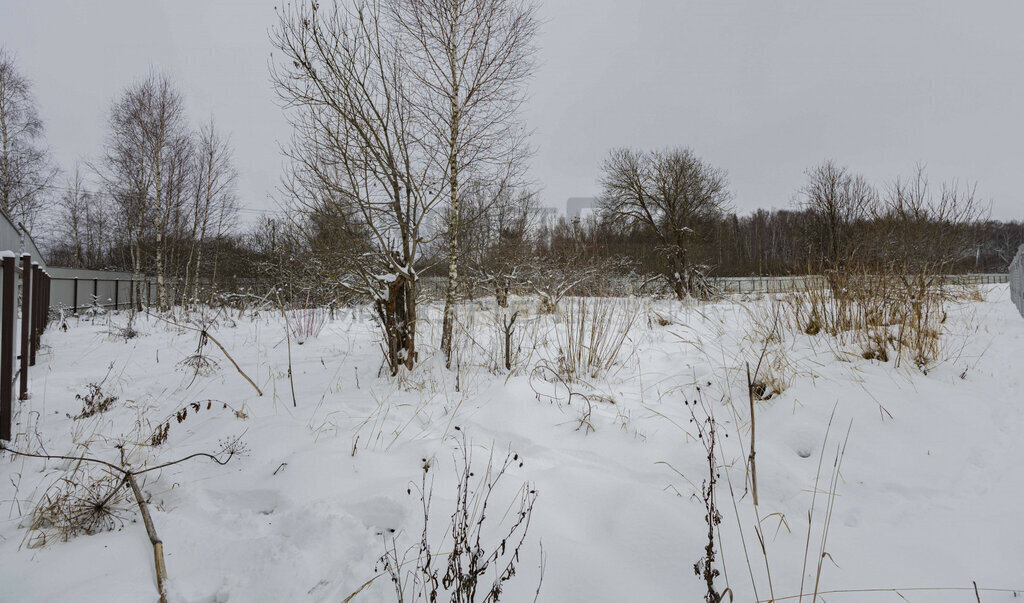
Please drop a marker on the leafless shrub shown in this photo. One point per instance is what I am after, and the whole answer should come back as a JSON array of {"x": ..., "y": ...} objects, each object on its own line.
[
  {"x": 305, "y": 320},
  {"x": 95, "y": 400},
  {"x": 512, "y": 329},
  {"x": 307, "y": 323},
  {"x": 88, "y": 499},
  {"x": 477, "y": 568},
  {"x": 126, "y": 331},
  {"x": 707, "y": 433},
  {"x": 592, "y": 334},
  {"x": 552, "y": 281}
]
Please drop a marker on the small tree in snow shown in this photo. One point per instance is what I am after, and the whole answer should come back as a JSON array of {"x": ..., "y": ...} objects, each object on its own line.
[
  {"x": 671, "y": 195},
  {"x": 362, "y": 153}
]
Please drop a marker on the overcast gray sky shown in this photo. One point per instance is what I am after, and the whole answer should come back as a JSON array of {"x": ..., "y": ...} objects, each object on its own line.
[{"x": 762, "y": 89}]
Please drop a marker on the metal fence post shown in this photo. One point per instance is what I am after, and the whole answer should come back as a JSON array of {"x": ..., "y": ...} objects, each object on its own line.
[
  {"x": 116, "y": 292},
  {"x": 96, "y": 291},
  {"x": 27, "y": 316},
  {"x": 6, "y": 347},
  {"x": 74, "y": 296}
]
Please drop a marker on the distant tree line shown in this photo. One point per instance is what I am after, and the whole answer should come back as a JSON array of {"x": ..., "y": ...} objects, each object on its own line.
[
  {"x": 509, "y": 244},
  {"x": 837, "y": 220},
  {"x": 386, "y": 188}
]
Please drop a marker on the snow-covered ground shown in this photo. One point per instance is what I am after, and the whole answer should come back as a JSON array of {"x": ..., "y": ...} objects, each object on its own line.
[{"x": 929, "y": 492}]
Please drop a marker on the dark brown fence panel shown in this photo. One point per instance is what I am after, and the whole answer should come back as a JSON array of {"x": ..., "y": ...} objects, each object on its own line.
[
  {"x": 36, "y": 312},
  {"x": 27, "y": 314},
  {"x": 35, "y": 316},
  {"x": 7, "y": 346}
]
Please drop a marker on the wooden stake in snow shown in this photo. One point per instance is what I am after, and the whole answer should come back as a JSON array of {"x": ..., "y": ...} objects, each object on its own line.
[
  {"x": 206, "y": 334},
  {"x": 750, "y": 459},
  {"x": 288, "y": 337},
  {"x": 158, "y": 545}
]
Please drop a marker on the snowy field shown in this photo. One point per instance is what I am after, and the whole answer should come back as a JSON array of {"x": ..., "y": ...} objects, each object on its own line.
[{"x": 928, "y": 494}]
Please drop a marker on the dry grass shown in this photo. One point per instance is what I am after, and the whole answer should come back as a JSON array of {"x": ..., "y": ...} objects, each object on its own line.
[
  {"x": 592, "y": 335},
  {"x": 88, "y": 499},
  {"x": 882, "y": 315}
]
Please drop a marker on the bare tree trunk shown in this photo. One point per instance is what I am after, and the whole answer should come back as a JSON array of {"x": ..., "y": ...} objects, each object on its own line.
[
  {"x": 161, "y": 292},
  {"x": 199, "y": 259},
  {"x": 397, "y": 314},
  {"x": 448, "y": 324}
]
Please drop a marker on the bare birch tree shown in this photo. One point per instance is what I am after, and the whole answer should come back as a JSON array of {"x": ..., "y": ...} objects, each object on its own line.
[
  {"x": 81, "y": 226},
  {"x": 360, "y": 151},
  {"x": 214, "y": 201},
  {"x": 73, "y": 219},
  {"x": 26, "y": 171},
  {"x": 470, "y": 60},
  {"x": 147, "y": 167}
]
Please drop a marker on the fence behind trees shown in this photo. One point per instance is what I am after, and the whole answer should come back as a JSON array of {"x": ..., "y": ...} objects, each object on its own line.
[
  {"x": 786, "y": 284},
  {"x": 74, "y": 289}
]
